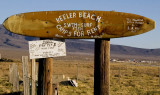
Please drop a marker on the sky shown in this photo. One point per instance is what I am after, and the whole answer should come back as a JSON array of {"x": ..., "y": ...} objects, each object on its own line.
[{"x": 147, "y": 8}]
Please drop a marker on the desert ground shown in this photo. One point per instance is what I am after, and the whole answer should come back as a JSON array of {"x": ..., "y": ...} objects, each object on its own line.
[{"x": 125, "y": 78}]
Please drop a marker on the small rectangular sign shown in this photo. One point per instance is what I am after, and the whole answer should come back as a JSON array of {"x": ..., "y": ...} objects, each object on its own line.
[{"x": 47, "y": 48}]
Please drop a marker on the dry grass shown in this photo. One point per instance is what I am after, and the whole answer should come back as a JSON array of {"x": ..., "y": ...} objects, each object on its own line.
[{"x": 134, "y": 80}]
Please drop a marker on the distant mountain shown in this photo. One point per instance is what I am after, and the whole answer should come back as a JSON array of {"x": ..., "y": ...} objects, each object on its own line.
[
  {"x": 12, "y": 41},
  {"x": 117, "y": 51},
  {"x": 88, "y": 46}
]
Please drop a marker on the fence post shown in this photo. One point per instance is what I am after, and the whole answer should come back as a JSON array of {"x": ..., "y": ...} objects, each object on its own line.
[
  {"x": 14, "y": 77},
  {"x": 119, "y": 72},
  {"x": 33, "y": 71},
  {"x": 25, "y": 75},
  {"x": 102, "y": 67},
  {"x": 10, "y": 73}
]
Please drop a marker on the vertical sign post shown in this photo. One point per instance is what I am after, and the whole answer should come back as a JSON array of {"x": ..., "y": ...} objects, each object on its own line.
[
  {"x": 102, "y": 67},
  {"x": 45, "y": 76}
]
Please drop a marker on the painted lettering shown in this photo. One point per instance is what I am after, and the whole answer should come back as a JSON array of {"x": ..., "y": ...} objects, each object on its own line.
[
  {"x": 80, "y": 14},
  {"x": 78, "y": 29},
  {"x": 98, "y": 18},
  {"x": 78, "y": 33},
  {"x": 70, "y": 14},
  {"x": 88, "y": 32},
  {"x": 61, "y": 29},
  {"x": 88, "y": 16},
  {"x": 93, "y": 16},
  {"x": 67, "y": 16},
  {"x": 60, "y": 18},
  {"x": 94, "y": 30},
  {"x": 58, "y": 27},
  {"x": 84, "y": 15},
  {"x": 74, "y": 15},
  {"x": 69, "y": 34},
  {"x": 57, "y": 20}
]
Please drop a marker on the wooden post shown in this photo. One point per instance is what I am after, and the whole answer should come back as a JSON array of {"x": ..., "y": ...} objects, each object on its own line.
[
  {"x": 102, "y": 67},
  {"x": 25, "y": 75},
  {"x": 14, "y": 77},
  {"x": 45, "y": 76},
  {"x": 11, "y": 73},
  {"x": 33, "y": 71}
]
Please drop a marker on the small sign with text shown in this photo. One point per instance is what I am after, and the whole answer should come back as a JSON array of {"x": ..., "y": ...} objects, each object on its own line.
[{"x": 47, "y": 48}]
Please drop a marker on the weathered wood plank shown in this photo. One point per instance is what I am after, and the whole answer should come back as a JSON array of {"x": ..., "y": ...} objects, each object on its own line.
[
  {"x": 25, "y": 75},
  {"x": 10, "y": 73},
  {"x": 13, "y": 76}
]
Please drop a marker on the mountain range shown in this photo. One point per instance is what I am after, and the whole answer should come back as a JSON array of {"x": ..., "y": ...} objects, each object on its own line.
[{"x": 13, "y": 44}]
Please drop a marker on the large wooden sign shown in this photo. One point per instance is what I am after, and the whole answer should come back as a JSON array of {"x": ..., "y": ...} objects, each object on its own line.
[
  {"x": 78, "y": 24},
  {"x": 46, "y": 48}
]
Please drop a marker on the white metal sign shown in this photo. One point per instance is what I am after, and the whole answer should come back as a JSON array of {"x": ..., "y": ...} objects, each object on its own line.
[{"x": 46, "y": 48}]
